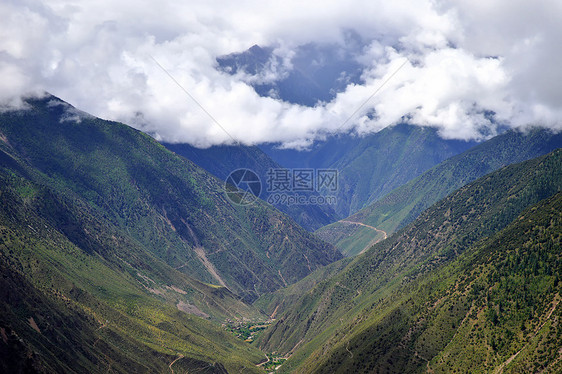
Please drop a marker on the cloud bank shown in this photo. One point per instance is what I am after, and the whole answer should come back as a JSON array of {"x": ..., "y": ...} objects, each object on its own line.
[{"x": 464, "y": 67}]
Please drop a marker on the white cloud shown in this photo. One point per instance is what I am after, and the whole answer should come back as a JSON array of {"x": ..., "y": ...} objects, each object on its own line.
[{"x": 465, "y": 60}]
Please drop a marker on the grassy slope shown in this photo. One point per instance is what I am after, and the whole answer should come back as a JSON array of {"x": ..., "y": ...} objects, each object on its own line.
[
  {"x": 495, "y": 308},
  {"x": 95, "y": 311},
  {"x": 275, "y": 303},
  {"x": 321, "y": 318},
  {"x": 350, "y": 239},
  {"x": 98, "y": 226},
  {"x": 164, "y": 202},
  {"x": 404, "y": 204}
]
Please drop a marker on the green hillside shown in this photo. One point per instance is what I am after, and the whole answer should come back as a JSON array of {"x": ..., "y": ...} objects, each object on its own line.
[
  {"x": 381, "y": 162},
  {"x": 493, "y": 310},
  {"x": 364, "y": 318},
  {"x": 404, "y": 204},
  {"x": 118, "y": 255},
  {"x": 172, "y": 208},
  {"x": 79, "y": 295},
  {"x": 371, "y": 166}
]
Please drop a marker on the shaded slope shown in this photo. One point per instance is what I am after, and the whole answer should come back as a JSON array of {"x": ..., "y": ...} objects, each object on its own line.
[
  {"x": 388, "y": 159},
  {"x": 322, "y": 318},
  {"x": 372, "y": 166},
  {"x": 404, "y": 204},
  {"x": 222, "y": 160}
]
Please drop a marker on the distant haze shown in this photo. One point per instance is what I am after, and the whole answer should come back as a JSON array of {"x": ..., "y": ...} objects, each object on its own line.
[{"x": 466, "y": 68}]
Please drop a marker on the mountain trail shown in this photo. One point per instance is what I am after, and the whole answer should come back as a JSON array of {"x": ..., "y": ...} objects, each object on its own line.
[
  {"x": 265, "y": 362},
  {"x": 348, "y": 351},
  {"x": 307, "y": 262},
  {"x": 369, "y": 226},
  {"x": 283, "y": 279},
  {"x": 555, "y": 302},
  {"x": 272, "y": 316},
  {"x": 173, "y": 362},
  {"x": 374, "y": 241}
]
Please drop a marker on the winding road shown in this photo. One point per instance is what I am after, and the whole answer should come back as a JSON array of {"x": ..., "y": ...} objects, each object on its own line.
[
  {"x": 173, "y": 362},
  {"x": 365, "y": 225},
  {"x": 370, "y": 227}
]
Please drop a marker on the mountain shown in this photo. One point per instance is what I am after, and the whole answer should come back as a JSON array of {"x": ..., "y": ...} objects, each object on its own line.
[
  {"x": 173, "y": 208},
  {"x": 223, "y": 160},
  {"x": 369, "y": 167},
  {"x": 388, "y": 159},
  {"x": 480, "y": 264},
  {"x": 116, "y": 254},
  {"x": 317, "y": 72},
  {"x": 79, "y": 295},
  {"x": 404, "y": 204}
]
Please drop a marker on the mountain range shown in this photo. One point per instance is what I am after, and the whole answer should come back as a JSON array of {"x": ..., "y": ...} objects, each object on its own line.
[
  {"x": 121, "y": 254},
  {"x": 221, "y": 161},
  {"x": 471, "y": 284},
  {"x": 109, "y": 238},
  {"x": 367, "y": 167},
  {"x": 400, "y": 207},
  {"x": 371, "y": 166}
]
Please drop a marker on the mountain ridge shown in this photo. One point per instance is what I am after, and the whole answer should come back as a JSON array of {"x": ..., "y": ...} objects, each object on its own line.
[
  {"x": 404, "y": 204},
  {"x": 221, "y": 161},
  {"x": 371, "y": 281},
  {"x": 113, "y": 167},
  {"x": 373, "y": 165}
]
